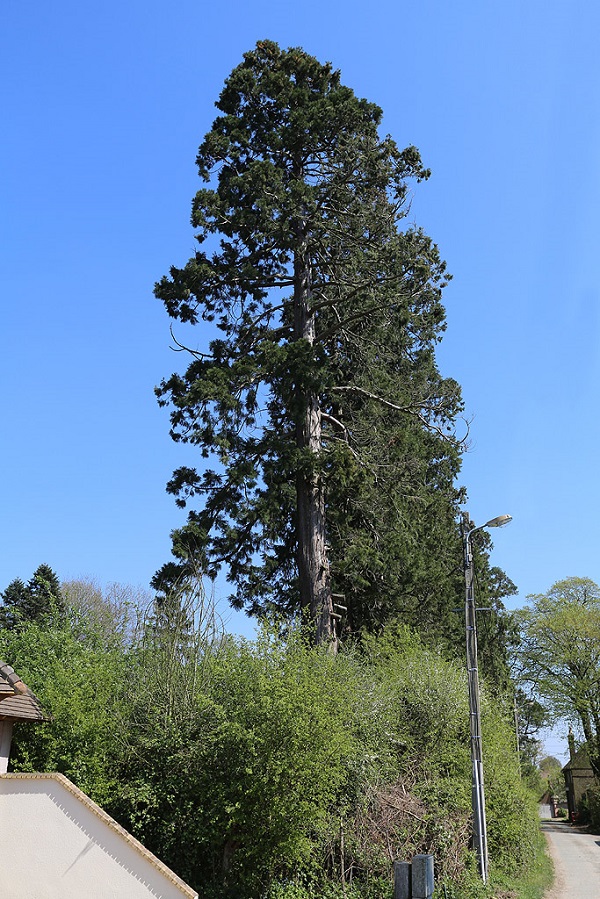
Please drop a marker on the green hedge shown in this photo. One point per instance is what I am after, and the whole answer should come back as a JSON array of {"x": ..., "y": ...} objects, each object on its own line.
[{"x": 272, "y": 768}]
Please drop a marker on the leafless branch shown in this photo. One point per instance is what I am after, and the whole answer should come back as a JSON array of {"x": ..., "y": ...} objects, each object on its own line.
[{"x": 181, "y": 348}]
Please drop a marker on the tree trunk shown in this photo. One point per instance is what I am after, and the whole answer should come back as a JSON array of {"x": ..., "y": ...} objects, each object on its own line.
[{"x": 313, "y": 563}]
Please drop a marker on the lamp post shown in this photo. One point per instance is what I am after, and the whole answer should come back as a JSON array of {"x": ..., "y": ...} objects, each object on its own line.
[{"x": 477, "y": 788}]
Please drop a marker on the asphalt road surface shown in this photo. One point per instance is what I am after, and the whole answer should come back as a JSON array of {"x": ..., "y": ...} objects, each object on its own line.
[{"x": 576, "y": 856}]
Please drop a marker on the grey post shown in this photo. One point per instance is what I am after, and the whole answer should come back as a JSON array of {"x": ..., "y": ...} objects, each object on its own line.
[
  {"x": 414, "y": 881},
  {"x": 477, "y": 787},
  {"x": 422, "y": 877},
  {"x": 402, "y": 880},
  {"x": 478, "y": 791}
]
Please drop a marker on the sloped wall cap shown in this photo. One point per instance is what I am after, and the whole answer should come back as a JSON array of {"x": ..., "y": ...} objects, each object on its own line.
[{"x": 9, "y": 783}]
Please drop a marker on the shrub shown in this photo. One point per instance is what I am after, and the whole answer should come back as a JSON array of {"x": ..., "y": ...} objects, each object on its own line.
[{"x": 270, "y": 768}]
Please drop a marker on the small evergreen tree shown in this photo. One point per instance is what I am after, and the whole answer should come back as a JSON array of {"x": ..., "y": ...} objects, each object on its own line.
[
  {"x": 40, "y": 598},
  {"x": 14, "y": 600}
]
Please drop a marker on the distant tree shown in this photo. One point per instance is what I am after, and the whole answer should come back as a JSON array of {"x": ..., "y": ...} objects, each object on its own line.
[
  {"x": 14, "y": 599},
  {"x": 530, "y": 717},
  {"x": 40, "y": 598},
  {"x": 497, "y": 629},
  {"x": 45, "y": 597},
  {"x": 560, "y": 655},
  {"x": 318, "y": 398},
  {"x": 551, "y": 774},
  {"x": 113, "y": 610}
]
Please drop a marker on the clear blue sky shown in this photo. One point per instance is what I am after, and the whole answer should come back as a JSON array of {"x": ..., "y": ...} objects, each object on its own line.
[{"x": 104, "y": 105}]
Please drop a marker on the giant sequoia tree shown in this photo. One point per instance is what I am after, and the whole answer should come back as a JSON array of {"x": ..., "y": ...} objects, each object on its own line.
[{"x": 318, "y": 397}]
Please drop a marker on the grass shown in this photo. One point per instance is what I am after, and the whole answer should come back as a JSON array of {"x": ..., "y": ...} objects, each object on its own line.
[{"x": 532, "y": 884}]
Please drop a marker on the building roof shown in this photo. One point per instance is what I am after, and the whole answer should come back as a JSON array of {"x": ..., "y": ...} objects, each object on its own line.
[
  {"x": 10, "y": 682},
  {"x": 17, "y": 702},
  {"x": 580, "y": 761}
]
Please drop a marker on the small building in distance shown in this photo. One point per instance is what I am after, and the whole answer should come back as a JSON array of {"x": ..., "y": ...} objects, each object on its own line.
[{"x": 579, "y": 777}]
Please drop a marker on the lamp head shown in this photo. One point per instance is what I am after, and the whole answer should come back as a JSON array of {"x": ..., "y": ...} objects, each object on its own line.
[{"x": 498, "y": 522}]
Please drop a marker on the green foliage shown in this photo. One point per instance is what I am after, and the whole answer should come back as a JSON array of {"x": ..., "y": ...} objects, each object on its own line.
[
  {"x": 272, "y": 767},
  {"x": 39, "y": 600},
  {"x": 510, "y": 806},
  {"x": 560, "y": 654},
  {"x": 269, "y": 744},
  {"x": 530, "y": 717},
  {"x": 591, "y": 808},
  {"x": 78, "y": 682},
  {"x": 330, "y": 429},
  {"x": 497, "y": 630},
  {"x": 532, "y": 882},
  {"x": 294, "y": 771}
]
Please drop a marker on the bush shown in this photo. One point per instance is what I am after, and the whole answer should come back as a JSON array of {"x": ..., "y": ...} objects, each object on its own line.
[
  {"x": 592, "y": 808},
  {"x": 78, "y": 683},
  {"x": 272, "y": 768}
]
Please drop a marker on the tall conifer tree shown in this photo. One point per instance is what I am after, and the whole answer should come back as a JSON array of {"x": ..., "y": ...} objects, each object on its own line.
[{"x": 318, "y": 398}]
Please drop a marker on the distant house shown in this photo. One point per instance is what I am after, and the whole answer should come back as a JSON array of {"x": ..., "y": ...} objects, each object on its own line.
[{"x": 579, "y": 777}]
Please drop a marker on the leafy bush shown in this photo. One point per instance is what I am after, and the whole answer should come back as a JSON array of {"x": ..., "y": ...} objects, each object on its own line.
[
  {"x": 78, "y": 683},
  {"x": 591, "y": 808},
  {"x": 272, "y": 768}
]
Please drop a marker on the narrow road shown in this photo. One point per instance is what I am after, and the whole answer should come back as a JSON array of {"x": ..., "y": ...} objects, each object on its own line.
[{"x": 576, "y": 857}]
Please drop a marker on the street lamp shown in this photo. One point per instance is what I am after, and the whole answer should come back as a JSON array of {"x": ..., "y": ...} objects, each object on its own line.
[{"x": 477, "y": 789}]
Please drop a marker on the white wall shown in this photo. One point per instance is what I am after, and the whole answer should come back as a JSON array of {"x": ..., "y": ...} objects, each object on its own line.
[{"x": 55, "y": 843}]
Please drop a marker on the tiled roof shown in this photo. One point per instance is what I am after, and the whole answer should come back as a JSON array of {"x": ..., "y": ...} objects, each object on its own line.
[
  {"x": 10, "y": 682},
  {"x": 17, "y": 702},
  {"x": 579, "y": 762}
]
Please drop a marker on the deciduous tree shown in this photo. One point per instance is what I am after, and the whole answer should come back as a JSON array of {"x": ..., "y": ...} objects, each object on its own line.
[{"x": 560, "y": 654}]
